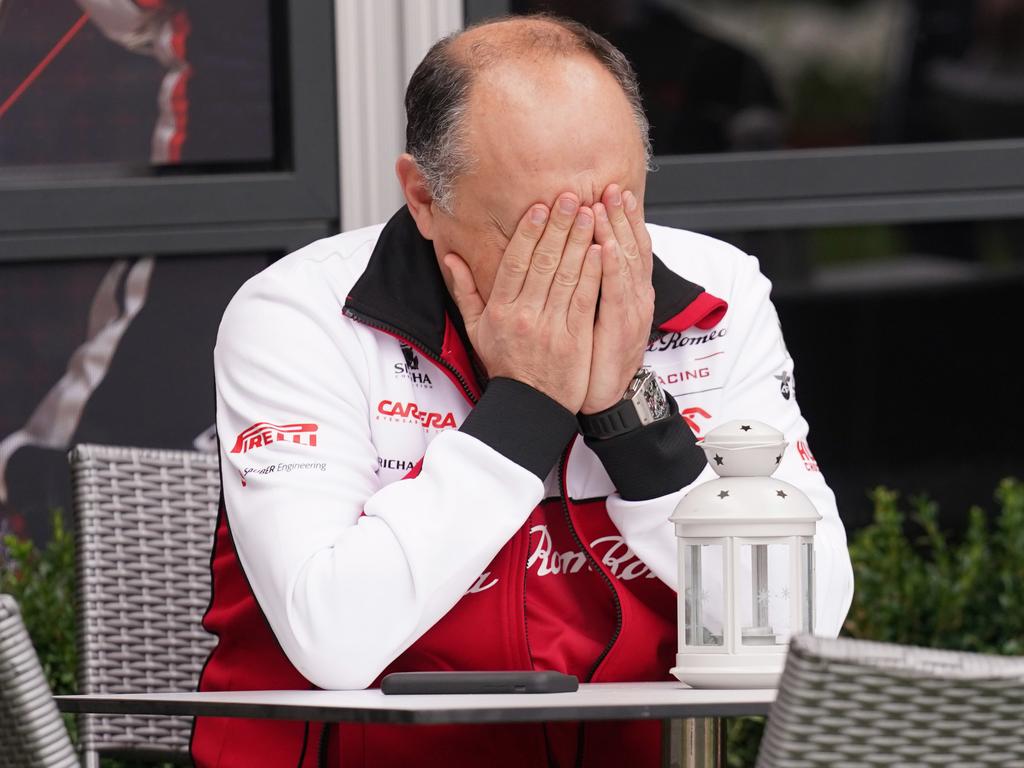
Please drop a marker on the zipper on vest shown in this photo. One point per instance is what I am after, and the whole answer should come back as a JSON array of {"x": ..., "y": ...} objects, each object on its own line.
[
  {"x": 420, "y": 347},
  {"x": 563, "y": 496},
  {"x": 526, "y": 621}
]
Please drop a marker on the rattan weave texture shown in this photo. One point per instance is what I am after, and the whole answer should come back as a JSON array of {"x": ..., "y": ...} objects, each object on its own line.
[
  {"x": 32, "y": 734},
  {"x": 858, "y": 703},
  {"x": 144, "y": 522}
]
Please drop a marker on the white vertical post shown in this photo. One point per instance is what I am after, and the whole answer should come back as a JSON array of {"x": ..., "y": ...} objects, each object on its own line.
[
  {"x": 796, "y": 591},
  {"x": 378, "y": 45},
  {"x": 684, "y": 584},
  {"x": 759, "y": 585},
  {"x": 731, "y": 625}
]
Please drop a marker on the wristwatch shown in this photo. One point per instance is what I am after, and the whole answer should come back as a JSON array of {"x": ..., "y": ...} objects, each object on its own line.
[{"x": 643, "y": 403}]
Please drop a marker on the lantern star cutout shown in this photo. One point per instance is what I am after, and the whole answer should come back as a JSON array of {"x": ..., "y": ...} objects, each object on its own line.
[
  {"x": 745, "y": 427},
  {"x": 781, "y": 494},
  {"x": 778, "y": 459},
  {"x": 723, "y": 494},
  {"x": 719, "y": 460}
]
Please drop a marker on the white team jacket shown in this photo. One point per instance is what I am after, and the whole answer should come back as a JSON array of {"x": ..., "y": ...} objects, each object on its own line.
[{"x": 321, "y": 417}]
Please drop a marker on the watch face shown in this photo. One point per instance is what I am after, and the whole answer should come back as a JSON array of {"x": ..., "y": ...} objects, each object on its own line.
[{"x": 655, "y": 398}]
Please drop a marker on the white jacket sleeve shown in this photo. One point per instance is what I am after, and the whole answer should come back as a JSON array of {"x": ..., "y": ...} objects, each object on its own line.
[
  {"x": 348, "y": 573},
  {"x": 752, "y": 391}
]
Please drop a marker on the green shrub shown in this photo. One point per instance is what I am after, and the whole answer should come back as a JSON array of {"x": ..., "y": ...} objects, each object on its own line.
[
  {"x": 43, "y": 583},
  {"x": 917, "y": 586}
]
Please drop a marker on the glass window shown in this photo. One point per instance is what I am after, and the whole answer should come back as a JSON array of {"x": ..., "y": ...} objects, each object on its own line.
[
  {"x": 736, "y": 75},
  {"x": 764, "y": 592},
  {"x": 161, "y": 83},
  {"x": 704, "y": 594}
]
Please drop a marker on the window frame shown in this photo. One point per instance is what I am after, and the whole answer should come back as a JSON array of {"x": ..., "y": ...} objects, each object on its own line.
[{"x": 63, "y": 213}]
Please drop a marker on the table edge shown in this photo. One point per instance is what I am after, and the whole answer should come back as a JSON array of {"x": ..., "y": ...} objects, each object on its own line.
[{"x": 95, "y": 705}]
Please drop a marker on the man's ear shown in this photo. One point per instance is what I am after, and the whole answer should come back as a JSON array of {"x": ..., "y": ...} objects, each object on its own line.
[{"x": 417, "y": 196}]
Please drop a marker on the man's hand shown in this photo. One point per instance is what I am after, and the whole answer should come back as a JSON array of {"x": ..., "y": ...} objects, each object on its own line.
[
  {"x": 626, "y": 309},
  {"x": 538, "y": 325}
]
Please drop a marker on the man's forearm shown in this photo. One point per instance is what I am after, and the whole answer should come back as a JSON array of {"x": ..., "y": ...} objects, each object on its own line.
[{"x": 522, "y": 424}]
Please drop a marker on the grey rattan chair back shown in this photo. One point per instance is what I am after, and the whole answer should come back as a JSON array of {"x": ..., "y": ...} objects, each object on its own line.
[
  {"x": 32, "y": 734},
  {"x": 857, "y": 703},
  {"x": 144, "y": 522}
]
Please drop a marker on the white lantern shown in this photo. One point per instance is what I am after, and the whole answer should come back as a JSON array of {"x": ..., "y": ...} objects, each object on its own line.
[{"x": 746, "y": 563}]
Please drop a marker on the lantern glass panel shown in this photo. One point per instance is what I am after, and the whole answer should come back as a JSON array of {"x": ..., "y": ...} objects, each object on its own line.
[
  {"x": 807, "y": 574},
  {"x": 705, "y": 594},
  {"x": 764, "y": 591}
]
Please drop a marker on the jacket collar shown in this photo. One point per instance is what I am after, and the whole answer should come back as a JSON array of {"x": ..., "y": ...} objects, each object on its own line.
[{"x": 402, "y": 293}]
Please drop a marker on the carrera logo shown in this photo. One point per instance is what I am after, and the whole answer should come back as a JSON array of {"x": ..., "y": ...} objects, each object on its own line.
[
  {"x": 678, "y": 339},
  {"x": 678, "y": 377},
  {"x": 264, "y": 433},
  {"x": 690, "y": 416},
  {"x": 410, "y": 412}
]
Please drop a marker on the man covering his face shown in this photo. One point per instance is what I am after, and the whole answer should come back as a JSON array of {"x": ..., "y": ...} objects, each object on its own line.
[{"x": 489, "y": 408}]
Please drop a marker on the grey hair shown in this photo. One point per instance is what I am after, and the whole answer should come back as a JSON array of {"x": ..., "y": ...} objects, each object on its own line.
[{"x": 437, "y": 98}]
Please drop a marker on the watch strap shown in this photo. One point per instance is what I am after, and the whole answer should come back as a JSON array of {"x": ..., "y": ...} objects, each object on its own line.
[{"x": 619, "y": 419}]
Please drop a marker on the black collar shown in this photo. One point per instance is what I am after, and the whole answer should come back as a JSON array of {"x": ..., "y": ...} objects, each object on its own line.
[{"x": 402, "y": 290}]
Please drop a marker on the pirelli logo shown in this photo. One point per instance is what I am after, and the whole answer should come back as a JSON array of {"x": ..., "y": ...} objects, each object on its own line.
[{"x": 264, "y": 433}]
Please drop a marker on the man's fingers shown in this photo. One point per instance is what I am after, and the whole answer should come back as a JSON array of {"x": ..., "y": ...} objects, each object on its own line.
[
  {"x": 602, "y": 226},
  {"x": 464, "y": 290},
  {"x": 548, "y": 252},
  {"x": 567, "y": 275},
  {"x": 635, "y": 215},
  {"x": 613, "y": 200},
  {"x": 580, "y": 317},
  {"x": 615, "y": 278},
  {"x": 508, "y": 280}
]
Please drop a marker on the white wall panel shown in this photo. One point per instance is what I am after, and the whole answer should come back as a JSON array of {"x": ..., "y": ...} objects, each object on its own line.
[{"x": 379, "y": 44}]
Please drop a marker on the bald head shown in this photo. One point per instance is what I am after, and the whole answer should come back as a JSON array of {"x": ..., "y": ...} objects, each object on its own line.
[
  {"x": 509, "y": 114},
  {"x": 514, "y": 69},
  {"x": 509, "y": 39}
]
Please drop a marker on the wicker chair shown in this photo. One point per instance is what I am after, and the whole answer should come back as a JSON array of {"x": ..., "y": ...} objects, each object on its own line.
[
  {"x": 32, "y": 734},
  {"x": 857, "y": 703},
  {"x": 144, "y": 522}
]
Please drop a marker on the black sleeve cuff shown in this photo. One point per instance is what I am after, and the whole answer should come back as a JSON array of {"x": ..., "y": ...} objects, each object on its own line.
[
  {"x": 522, "y": 424},
  {"x": 653, "y": 460}
]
